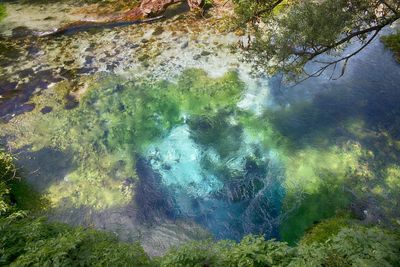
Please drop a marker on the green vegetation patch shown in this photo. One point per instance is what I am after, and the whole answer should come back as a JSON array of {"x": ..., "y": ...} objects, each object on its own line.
[
  {"x": 3, "y": 12},
  {"x": 14, "y": 192},
  {"x": 393, "y": 43},
  {"x": 355, "y": 246},
  {"x": 8, "y": 172},
  {"x": 27, "y": 241},
  {"x": 326, "y": 229},
  {"x": 115, "y": 120},
  {"x": 30, "y": 241}
]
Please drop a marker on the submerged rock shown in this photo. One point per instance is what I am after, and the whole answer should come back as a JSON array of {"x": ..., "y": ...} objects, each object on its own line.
[
  {"x": 197, "y": 57},
  {"x": 21, "y": 31},
  {"x": 185, "y": 45},
  {"x": 46, "y": 110}
]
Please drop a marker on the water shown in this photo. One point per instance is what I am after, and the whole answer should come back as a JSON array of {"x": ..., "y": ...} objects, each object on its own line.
[{"x": 169, "y": 147}]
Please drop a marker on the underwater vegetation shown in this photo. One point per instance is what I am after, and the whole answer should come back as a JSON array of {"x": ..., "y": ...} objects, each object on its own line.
[
  {"x": 232, "y": 171},
  {"x": 3, "y": 13},
  {"x": 112, "y": 123},
  {"x": 28, "y": 240}
]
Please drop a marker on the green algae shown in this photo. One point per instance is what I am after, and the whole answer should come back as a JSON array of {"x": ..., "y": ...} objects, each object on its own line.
[
  {"x": 315, "y": 181},
  {"x": 304, "y": 168},
  {"x": 326, "y": 229},
  {"x": 315, "y": 176},
  {"x": 3, "y": 12},
  {"x": 324, "y": 204},
  {"x": 393, "y": 177},
  {"x": 217, "y": 132},
  {"x": 115, "y": 120}
]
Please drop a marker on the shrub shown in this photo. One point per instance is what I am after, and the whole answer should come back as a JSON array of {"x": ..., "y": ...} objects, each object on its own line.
[{"x": 29, "y": 241}]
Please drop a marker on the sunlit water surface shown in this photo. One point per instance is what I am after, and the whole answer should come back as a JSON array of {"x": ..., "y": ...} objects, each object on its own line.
[{"x": 215, "y": 150}]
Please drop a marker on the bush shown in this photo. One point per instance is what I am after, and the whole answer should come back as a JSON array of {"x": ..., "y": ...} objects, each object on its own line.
[
  {"x": 31, "y": 241},
  {"x": 355, "y": 246},
  {"x": 15, "y": 194},
  {"x": 325, "y": 230},
  {"x": 8, "y": 172}
]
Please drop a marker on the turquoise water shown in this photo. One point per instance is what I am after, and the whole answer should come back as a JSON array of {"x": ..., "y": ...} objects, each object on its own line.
[
  {"x": 232, "y": 154},
  {"x": 232, "y": 196},
  {"x": 233, "y": 182}
]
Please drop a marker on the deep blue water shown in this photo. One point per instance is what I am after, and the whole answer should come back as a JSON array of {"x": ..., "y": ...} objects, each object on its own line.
[{"x": 248, "y": 198}]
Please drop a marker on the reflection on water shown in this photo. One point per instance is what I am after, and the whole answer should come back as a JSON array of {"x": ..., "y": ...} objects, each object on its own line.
[{"x": 209, "y": 150}]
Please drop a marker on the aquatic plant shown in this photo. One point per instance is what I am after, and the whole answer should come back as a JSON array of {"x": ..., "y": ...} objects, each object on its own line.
[
  {"x": 115, "y": 120},
  {"x": 207, "y": 151},
  {"x": 3, "y": 13},
  {"x": 322, "y": 231}
]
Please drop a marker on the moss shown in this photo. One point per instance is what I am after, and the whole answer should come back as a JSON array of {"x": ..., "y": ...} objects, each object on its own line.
[
  {"x": 217, "y": 132},
  {"x": 323, "y": 204},
  {"x": 393, "y": 177},
  {"x": 8, "y": 50},
  {"x": 3, "y": 12},
  {"x": 393, "y": 42},
  {"x": 326, "y": 229},
  {"x": 158, "y": 30}
]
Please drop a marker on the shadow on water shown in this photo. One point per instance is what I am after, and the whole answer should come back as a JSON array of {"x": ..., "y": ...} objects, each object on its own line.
[
  {"x": 316, "y": 113},
  {"x": 369, "y": 92},
  {"x": 229, "y": 187},
  {"x": 44, "y": 167},
  {"x": 153, "y": 201},
  {"x": 364, "y": 107}
]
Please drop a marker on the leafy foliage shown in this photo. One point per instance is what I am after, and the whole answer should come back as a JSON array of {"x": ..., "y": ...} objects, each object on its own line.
[
  {"x": 356, "y": 246},
  {"x": 14, "y": 193},
  {"x": 29, "y": 241},
  {"x": 326, "y": 229},
  {"x": 35, "y": 242},
  {"x": 8, "y": 172},
  {"x": 290, "y": 34},
  {"x": 251, "y": 251}
]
